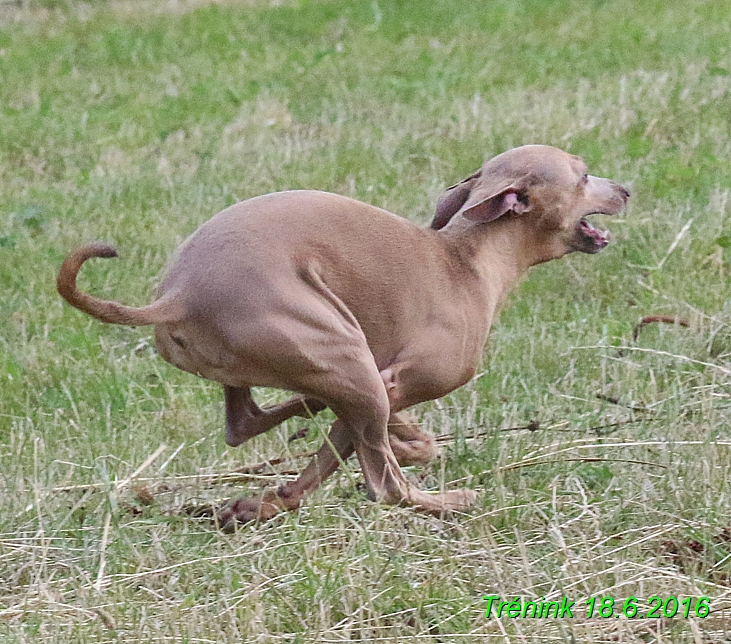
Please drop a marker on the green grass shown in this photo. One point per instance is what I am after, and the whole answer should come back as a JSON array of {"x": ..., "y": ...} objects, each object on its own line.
[{"x": 134, "y": 122}]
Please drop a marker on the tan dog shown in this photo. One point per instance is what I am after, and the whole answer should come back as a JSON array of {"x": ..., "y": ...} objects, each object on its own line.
[{"x": 357, "y": 309}]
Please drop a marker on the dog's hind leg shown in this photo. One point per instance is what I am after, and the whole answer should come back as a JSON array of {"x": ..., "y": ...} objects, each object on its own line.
[
  {"x": 245, "y": 419},
  {"x": 337, "y": 449}
]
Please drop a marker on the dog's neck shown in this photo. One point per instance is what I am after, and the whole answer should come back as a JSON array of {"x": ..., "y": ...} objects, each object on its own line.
[{"x": 499, "y": 252}]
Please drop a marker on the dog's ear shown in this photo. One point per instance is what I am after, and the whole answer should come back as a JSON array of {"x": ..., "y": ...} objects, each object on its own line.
[
  {"x": 483, "y": 206},
  {"x": 452, "y": 199},
  {"x": 479, "y": 203}
]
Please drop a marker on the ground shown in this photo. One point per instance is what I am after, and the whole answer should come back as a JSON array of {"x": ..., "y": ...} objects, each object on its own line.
[{"x": 601, "y": 461}]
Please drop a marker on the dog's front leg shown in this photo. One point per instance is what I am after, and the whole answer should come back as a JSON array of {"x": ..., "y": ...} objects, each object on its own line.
[{"x": 386, "y": 482}]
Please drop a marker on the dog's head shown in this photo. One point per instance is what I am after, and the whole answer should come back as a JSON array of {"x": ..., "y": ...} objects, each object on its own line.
[{"x": 546, "y": 187}]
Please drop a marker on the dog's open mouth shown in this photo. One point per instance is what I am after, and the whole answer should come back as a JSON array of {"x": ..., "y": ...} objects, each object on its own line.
[{"x": 592, "y": 239}]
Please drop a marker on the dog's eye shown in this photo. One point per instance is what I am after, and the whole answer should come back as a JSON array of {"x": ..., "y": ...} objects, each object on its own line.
[{"x": 584, "y": 179}]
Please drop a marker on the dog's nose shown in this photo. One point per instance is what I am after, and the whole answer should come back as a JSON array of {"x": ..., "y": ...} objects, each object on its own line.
[{"x": 624, "y": 192}]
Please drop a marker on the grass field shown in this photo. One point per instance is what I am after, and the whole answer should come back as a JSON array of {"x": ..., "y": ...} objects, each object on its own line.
[{"x": 135, "y": 121}]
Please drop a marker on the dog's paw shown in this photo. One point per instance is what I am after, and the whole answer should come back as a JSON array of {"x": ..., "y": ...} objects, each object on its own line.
[
  {"x": 446, "y": 502},
  {"x": 239, "y": 511},
  {"x": 458, "y": 500},
  {"x": 453, "y": 501}
]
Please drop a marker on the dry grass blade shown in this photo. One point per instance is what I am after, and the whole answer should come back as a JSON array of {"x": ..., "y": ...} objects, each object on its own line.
[
  {"x": 588, "y": 459},
  {"x": 657, "y": 352},
  {"x": 653, "y": 319}
]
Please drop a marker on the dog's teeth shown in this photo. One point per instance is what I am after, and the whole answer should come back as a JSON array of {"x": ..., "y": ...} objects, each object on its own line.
[{"x": 599, "y": 236}]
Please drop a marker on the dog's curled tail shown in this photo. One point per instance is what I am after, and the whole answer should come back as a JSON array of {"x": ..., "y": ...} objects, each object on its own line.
[{"x": 166, "y": 309}]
